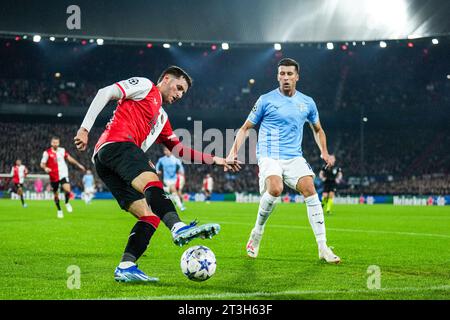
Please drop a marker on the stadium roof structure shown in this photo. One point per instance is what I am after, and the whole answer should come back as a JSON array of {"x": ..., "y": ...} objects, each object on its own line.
[{"x": 232, "y": 21}]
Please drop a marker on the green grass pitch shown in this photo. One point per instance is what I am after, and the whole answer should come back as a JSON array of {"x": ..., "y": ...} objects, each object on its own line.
[{"x": 410, "y": 245}]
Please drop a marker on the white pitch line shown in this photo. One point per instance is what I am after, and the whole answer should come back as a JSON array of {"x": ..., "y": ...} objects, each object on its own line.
[
  {"x": 279, "y": 293},
  {"x": 415, "y": 234}
]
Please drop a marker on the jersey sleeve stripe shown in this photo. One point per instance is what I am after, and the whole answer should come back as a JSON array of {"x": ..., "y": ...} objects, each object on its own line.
[{"x": 124, "y": 95}]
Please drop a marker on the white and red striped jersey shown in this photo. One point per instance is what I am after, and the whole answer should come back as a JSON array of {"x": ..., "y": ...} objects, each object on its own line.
[
  {"x": 208, "y": 184},
  {"x": 56, "y": 161},
  {"x": 19, "y": 173},
  {"x": 139, "y": 117}
]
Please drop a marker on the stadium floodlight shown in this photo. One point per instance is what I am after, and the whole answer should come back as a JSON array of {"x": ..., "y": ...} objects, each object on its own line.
[
  {"x": 330, "y": 45},
  {"x": 100, "y": 42},
  {"x": 36, "y": 38},
  {"x": 277, "y": 46},
  {"x": 383, "y": 44},
  {"x": 225, "y": 46},
  {"x": 448, "y": 76},
  {"x": 180, "y": 44},
  {"x": 65, "y": 39},
  {"x": 91, "y": 40},
  {"x": 52, "y": 38},
  {"x": 166, "y": 45},
  {"x": 435, "y": 41}
]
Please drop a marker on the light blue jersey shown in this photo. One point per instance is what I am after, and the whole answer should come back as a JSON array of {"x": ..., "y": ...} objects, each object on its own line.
[
  {"x": 282, "y": 119},
  {"x": 169, "y": 166},
  {"x": 180, "y": 166},
  {"x": 88, "y": 181}
]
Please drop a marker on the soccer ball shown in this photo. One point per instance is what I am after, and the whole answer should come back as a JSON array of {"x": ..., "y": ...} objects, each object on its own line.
[{"x": 198, "y": 263}]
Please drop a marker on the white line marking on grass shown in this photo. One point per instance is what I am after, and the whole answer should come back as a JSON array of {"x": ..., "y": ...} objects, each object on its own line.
[
  {"x": 226, "y": 295},
  {"x": 415, "y": 234}
]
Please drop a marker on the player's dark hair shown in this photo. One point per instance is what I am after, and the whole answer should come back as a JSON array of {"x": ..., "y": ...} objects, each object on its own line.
[
  {"x": 177, "y": 72},
  {"x": 288, "y": 62}
]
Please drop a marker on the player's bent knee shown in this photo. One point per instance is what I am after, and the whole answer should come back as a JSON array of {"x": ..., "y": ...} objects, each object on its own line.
[
  {"x": 275, "y": 192},
  {"x": 140, "y": 182},
  {"x": 140, "y": 208},
  {"x": 274, "y": 186}
]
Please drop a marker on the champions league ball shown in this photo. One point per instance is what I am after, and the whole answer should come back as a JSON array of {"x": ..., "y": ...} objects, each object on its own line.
[{"x": 198, "y": 263}]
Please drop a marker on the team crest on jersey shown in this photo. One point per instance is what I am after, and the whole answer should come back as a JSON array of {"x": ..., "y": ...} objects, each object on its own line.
[
  {"x": 133, "y": 81},
  {"x": 302, "y": 107}
]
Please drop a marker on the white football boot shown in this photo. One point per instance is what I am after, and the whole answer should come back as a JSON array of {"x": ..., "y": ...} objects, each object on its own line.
[
  {"x": 69, "y": 207},
  {"x": 328, "y": 255},
  {"x": 60, "y": 214},
  {"x": 253, "y": 244}
]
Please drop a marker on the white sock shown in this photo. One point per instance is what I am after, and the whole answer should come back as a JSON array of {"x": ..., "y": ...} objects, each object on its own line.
[
  {"x": 266, "y": 206},
  {"x": 177, "y": 200},
  {"x": 126, "y": 264},
  {"x": 177, "y": 226},
  {"x": 316, "y": 219}
]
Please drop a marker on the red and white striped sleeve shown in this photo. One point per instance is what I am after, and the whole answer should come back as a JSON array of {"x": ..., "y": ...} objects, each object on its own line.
[
  {"x": 44, "y": 157},
  {"x": 136, "y": 88}
]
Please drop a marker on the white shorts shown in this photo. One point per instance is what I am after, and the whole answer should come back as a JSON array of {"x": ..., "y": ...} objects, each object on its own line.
[
  {"x": 289, "y": 170},
  {"x": 170, "y": 183},
  {"x": 89, "y": 190}
]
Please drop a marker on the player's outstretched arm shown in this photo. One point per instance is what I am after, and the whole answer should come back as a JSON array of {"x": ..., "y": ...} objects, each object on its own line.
[
  {"x": 239, "y": 140},
  {"x": 321, "y": 141},
  {"x": 75, "y": 162},
  {"x": 101, "y": 99}
]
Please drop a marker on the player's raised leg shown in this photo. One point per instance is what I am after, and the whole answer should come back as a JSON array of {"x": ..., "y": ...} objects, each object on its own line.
[
  {"x": 59, "y": 213},
  {"x": 66, "y": 189},
  {"x": 149, "y": 184},
  {"x": 20, "y": 194},
  {"x": 274, "y": 188},
  {"x": 305, "y": 186}
]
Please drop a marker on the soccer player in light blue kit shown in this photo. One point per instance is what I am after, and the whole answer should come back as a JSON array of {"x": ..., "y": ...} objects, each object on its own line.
[
  {"x": 281, "y": 114},
  {"x": 169, "y": 166},
  {"x": 89, "y": 186}
]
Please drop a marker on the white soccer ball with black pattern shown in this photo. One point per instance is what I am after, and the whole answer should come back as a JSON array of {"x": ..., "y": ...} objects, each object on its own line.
[{"x": 198, "y": 263}]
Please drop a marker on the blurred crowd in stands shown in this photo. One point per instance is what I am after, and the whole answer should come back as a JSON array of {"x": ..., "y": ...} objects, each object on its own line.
[{"x": 396, "y": 83}]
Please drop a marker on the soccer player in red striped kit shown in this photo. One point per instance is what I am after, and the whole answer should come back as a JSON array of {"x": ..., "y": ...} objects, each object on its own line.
[
  {"x": 120, "y": 161},
  {"x": 18, "y": 174},
  {"x": 54, "y": 163}
]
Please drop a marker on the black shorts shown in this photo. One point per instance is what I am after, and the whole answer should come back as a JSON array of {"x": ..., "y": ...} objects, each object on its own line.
[
  {"x": 17, "y": 186},
  {"x": 55, "y": 185},
  {"x": 118, "y": 164},
  {"x": 329, "y": 187}
]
